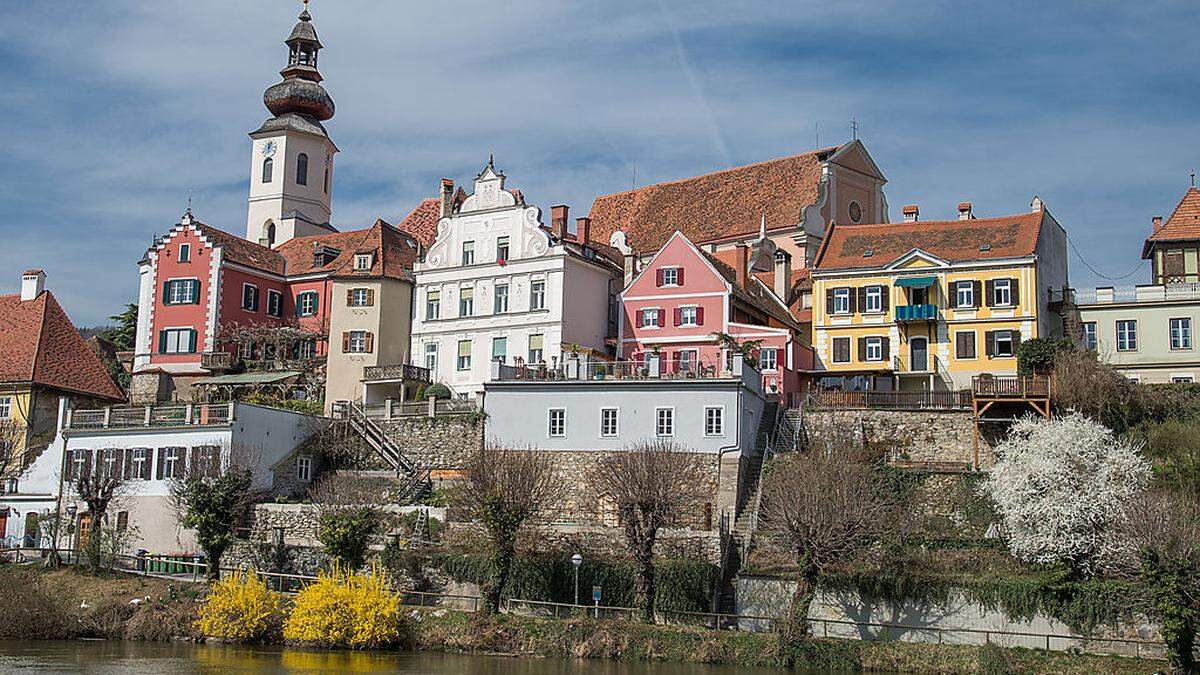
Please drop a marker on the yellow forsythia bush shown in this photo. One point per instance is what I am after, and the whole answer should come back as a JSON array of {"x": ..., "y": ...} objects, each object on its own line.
[
  {"x": 345, "y": 609},
  {"x": 239, "y": 608}
]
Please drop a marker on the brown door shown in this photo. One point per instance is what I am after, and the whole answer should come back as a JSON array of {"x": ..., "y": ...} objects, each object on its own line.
[
  {"x": 3, "y": 526},
  {"x": 85, "y": 529}
]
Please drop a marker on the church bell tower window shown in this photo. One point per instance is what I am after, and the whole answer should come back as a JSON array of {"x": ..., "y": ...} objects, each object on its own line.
[
  {"x": 268, "y": 169},
  {"x": 302, "y": 169}
]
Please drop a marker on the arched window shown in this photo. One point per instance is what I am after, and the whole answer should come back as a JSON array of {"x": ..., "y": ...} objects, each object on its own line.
[
  {"x": 268, "y": 169},
  {"x": 270, "y": 233},
  {"x": 302, "y": 169},
  {"x": 327, "y": 163}
]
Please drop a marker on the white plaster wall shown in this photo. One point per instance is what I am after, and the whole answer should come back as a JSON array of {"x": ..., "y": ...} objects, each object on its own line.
[{"x": 283, "y": 194}]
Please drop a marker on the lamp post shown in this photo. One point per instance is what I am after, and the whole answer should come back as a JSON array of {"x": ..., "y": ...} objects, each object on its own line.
[
  {"x": 576, "y": 560},
  {"x": 71, "y": 530}
]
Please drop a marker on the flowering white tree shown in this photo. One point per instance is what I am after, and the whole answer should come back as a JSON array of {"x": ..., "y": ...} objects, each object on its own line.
[{"x": 1061, "y": 486}]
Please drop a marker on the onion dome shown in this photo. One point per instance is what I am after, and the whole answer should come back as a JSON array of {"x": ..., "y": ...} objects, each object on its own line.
[{"x": 300, "y": 91}]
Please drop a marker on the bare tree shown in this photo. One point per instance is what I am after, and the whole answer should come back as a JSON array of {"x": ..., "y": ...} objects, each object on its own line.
[
  {"x": 653, "y": 485},
  {"x": 1165, "y": 529},
  {"x": 505, "y": 488},
  {"x": 98, "y": 484},
  {"x": 12, "y": 442},
  {"x": 349, "y": 513},
  {"x": 822, "y": 507}
]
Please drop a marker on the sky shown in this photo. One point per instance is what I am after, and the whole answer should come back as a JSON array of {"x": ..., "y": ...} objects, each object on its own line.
[{"x": 113, "y": 112}]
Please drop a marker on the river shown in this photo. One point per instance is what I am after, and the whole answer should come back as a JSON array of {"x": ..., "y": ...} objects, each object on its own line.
[{"x": 177, "y": 658}]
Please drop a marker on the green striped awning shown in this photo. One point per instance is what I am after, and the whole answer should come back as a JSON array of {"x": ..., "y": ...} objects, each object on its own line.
[{"x": 916, "y": 282}]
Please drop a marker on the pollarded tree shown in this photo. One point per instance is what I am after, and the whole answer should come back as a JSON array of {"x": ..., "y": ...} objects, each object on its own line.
[
  {"x": 99, "y": 484},
  {"x": 653, "y": 485},
  {"x": 823, "y": 506},
  {"x": 348, "y": 516},
  {"x": 505, "y": 489},
  {"x": 1060, "y": 486},
  {"x": 211, "y": 505}
]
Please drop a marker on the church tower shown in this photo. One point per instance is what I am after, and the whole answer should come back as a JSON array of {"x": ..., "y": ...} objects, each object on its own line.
[{"x": 291, "y": 162}]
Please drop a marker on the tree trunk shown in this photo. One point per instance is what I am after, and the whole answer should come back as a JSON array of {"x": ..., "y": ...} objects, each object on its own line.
[
  {"x": 213, "y": 568},
  {"x": 796, "y": 630},
  {"x": 1167, "y": 588},
  {"x": 645, "y": 585},
  {"x": 502, "y": 558}
]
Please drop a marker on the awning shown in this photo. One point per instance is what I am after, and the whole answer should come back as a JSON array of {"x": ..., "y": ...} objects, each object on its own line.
[
  {"x": 255, "y": 377},
  {"x": 916, "y": 282}
]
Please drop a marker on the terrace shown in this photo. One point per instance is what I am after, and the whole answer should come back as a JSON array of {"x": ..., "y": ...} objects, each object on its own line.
[
  {"x": 141, "y": 417},
  {"x": 653, "y": 368}
]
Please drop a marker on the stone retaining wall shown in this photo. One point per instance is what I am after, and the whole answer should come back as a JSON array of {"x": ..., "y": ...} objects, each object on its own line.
[
  {"x": 912, "y": 436},
  {"x": 439, "y": 442}
]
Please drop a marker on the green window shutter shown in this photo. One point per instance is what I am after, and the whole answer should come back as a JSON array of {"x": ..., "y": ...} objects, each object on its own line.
[
  {"x": 316, "y": 302},
  {"x": 166, "y": 293},
  {"x": 162, "y": 342},
  {"x": 192, "y": 341},
  {"x": 195, "y": 292}
]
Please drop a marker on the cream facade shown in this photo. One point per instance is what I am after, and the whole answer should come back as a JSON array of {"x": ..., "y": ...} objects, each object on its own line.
[
  {"x": 380, "y": 308},
  {"x": 1146, "y": 332}
]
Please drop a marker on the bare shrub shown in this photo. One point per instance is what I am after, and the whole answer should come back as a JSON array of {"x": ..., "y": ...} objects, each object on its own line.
[{"x": 1083, "y": 384}]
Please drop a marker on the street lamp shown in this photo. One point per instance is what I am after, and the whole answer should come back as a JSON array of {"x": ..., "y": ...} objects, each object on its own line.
[
  {"x": 576, "y": 560},
  {"x": 71, "y": 530}
]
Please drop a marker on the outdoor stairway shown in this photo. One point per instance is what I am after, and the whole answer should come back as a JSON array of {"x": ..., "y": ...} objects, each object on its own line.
[{"x": 416, "y": 476}]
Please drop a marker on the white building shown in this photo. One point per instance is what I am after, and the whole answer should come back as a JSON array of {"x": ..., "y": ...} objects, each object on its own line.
[
  {"x": 152, "y": 446},
  {"x": 497, "y": 284}
]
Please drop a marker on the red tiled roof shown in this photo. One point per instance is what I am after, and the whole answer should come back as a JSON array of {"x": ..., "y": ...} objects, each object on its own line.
[
  {"x": 712, "y": 206},
  {"x": 394, "y": 252},
  {"x": 40, "y": 345},
  {"x": 1183, "y": 225},
  {"x": 846, "y": 246},
  {"x": 755, "y": 294},
  {"x": 422, "y": 222},
  {"x": 238, "y": 250}
]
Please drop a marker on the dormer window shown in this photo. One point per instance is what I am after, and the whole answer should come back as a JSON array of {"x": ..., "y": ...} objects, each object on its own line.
[
  {"x": 323, "y": 255},
  {"x": 363, "y": 262},
  {"x": 185, "y": 253}
]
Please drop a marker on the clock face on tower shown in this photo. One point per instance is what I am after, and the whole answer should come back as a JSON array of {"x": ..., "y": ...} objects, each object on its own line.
[{"x": 268, "y": 149}]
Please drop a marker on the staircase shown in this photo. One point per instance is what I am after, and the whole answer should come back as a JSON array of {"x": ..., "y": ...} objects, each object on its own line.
[{"x": 417, "y": 481}]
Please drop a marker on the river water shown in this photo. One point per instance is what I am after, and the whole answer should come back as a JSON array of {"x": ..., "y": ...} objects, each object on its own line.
[{"x": 151, "y": 658}]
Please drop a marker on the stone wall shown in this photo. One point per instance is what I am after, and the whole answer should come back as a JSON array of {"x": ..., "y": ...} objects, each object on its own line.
[
  {"x": 439, "y": 442},
  {"x": 593, "y": 541},
  {"x": 912, "y": 436}
]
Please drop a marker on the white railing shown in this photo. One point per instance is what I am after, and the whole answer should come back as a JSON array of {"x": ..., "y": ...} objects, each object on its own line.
[{"x": 135, "y": 417}]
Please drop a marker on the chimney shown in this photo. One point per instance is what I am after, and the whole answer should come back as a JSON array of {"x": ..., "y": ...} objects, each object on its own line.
[
  {"x": 911, "y": 213},
  {"x": 1156, "y": 224},
  {"x": 583, "y": 230},
  {"x": 742, "y": 264},
  {"x": 33, "y": 282},
  {"x": 964, "y": 211},
  {"x": 783, "y": 274},
  {"x": 447, "y": 196},
  {"x": 558, "y": 220},
  {"x": 630, "y": 268}
]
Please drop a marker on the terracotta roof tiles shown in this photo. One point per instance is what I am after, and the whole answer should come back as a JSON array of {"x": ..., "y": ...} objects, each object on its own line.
[
  {"x": 1183, "y": 225},
  {"x": 422, "y": 222}
]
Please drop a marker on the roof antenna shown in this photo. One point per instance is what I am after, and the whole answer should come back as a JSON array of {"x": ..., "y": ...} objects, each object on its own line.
[
  {"x": 817, "y": 132},
  {"x": 854, "y": 127},
  {"x": 633, "y": 186},
  {"x": 1193, "y": 179}
]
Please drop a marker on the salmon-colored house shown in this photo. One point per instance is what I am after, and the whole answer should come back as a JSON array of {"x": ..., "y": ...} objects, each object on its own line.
[{"x": 689, "y": 307}]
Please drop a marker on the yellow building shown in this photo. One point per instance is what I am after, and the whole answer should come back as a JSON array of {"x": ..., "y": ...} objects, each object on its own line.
[{"x": 927, "y": 305}]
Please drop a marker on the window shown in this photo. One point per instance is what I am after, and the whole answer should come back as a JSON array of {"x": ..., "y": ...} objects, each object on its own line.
[
  {"x": 918, "y": 296},
  {"x": 110, "y": 463},
  {"x": 122, "y": 521},
  {"x": 874, "y": 299},
  {"x": 358, "y": 342},
  {"x": 556, "y": 422},
  {"x": 664, "y": 422},
  {"x": 250, "y": 297},
  {"x": 431, "y": 354},
  {"x": 874, "y": 349},
  {"x": 464, "y": 354},
  {"x": 5, "y": 407},
  {"x": 185, "y": 253},
  {"x": 433, "y": 304},
  {"x": 650, "y": 318},
  {"x": 964, "y": 295},
  {"x": 1089, "y": 335},
  {"x": 170, "y": 462},
  {"x": 1002, "y": 293},
  {"x": 841, "y": 301},
  {"x": 964, "y": 344},
  {"x": 466, "y": 301},
  {"x": 1005, "y": 343},
  {"x": 181, "y": 292},
  {"x": 268, "y": 169},
  {"x": 1181, "y": 379},
  {"x": 206, "y": 461},
  {"x": 304, "y": 469},
  {"x": 501, "y": 250},
  {"x": 687, "y": 316},
  {"x": 499, "y": 349},
  {"x": 363, "y": 261},
  {"x": 768, "y": 359},
  {"x": 306, "y": 303},
  {"x": 79, "y": 462},
  {"x": 468, "y": 253},
  {"x": 535, "y": 349},
  {"x": 608, "y": 422},
  {"x": 139, "y": 463},
  {"x": 360, "y": 297},
  {"x": 670, "y": 276},
  {"x": 841, "y": 350},
  {"x": 302, "y": 169},
  {"x": 687, "y": 360},
  {"x": 306, "y": 349},
  {"x": 855, "y": 210},
  {"x": 537, "y": 295},
  {"x": 328, "y": 166},
  {"x": 274, "y": 303},
  {"x": 1127, "y": 336},
  {"x": 177, "y": 341},
  {"x": 1181, "y": 333},
  {"x": 501, "y": 299},
  {"x": 714, "y": 421}
]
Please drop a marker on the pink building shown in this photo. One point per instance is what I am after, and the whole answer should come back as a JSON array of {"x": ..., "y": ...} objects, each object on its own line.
[{"x": 684, "y": 300}]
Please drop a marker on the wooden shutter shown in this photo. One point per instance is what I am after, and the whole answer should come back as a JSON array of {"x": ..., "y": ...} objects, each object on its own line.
[
  {"x": 1016, "y": 338},
  {"x": 885, "y": 297},
  {"x": 679, "y": 277},
  {"x": 989, "y": 338},
  {"x": 195, "y": 292},
  {"x": 119, "y": 469},
  {"x": 678, "y": 316},
  {"x": 346, "y": 342},
  {"x": 861, "y": 299},
  {"x": 297, "y": 308},
  {"x": 829, "y": 301},
  {"x": 349, "y": 297},
  {"x": 853, "y": 301},
  {"x": 887, "y": 348},
  {"x": 127, "y": 463},
  {"x": 162, "y": 458},
  {"x": 370, "y": 297},
  {"x": 162, "y": 342},
  {"x": 639, "y": 318},
  {"x": 1015, "y": 292},
  {"x": 862, "y": 349},
  {"x": 658, "y": 277},
  {"x": 166, "y": 293},
  {"x": 976, "y": 293},
  {"x": 370, "y": 340},
  {"x": 990, "y": 294},
  {"x": 191, "y": 340},
  {"x": 662, "y": 317},
  {"x": 699, "y": 316}
]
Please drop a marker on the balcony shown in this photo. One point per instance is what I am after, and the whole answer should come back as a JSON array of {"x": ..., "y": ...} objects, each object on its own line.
[
  {"x": 1010, "y": 387},
  {"x": 397, "y": 372},
  {"x": 910, "y": 313},
  {"x": 889, "y": 400},
  {"x": 216, "y": 360},
  {"x": 142, "y": 417}
]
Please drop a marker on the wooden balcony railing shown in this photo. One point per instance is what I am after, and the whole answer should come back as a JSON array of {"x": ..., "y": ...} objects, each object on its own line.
[
  {"x": 134, "y": 417},
  {"x": 1009, "y": 386},
  {"x": 891, "y": 400},
  {"x": 216, "y": 360}
]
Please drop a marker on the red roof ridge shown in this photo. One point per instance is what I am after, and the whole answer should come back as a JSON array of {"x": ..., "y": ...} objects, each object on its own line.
[{"x": 718, "y": 172}]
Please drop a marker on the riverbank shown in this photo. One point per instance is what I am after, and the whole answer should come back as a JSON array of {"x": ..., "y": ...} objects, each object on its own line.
[{"x": 67, "y": 604}]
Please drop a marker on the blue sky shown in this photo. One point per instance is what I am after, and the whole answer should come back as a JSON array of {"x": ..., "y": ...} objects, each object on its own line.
[{"x": 113, "y": 111}]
